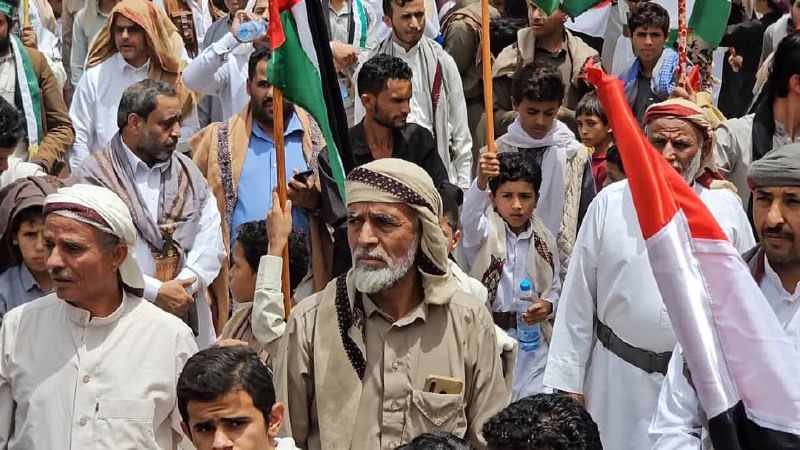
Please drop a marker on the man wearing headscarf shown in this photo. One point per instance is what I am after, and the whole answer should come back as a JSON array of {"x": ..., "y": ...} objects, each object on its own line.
[
  {"x": 138, "y": 41},
  {"x": 93, "y": 365},
  {"x": 27, "y": 82},
  {"x": 612, "y": 337},
  {"x": 180, "y": 244},
  {"x": 393, "y": 348},
  {"x": 679, "y": 422}
]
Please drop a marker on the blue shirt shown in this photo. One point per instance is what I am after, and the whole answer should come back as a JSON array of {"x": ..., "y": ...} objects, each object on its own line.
[
  {"x": 259, "y": 176},
  {"x": 17, "y": 286}
]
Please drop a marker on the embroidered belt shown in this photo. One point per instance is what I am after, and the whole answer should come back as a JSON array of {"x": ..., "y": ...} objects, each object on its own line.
[{"x": 646, "y": 360}]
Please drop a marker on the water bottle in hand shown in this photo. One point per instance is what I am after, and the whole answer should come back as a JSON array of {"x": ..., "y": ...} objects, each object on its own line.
[
  {"x": 528, "y": 336},
  {"x": 249, "y": 31}
]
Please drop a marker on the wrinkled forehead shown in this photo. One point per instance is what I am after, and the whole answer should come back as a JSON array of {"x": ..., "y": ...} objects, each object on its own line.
[
  {"x": 678, "y": 126},
  {"x": 394, "y": 209}
]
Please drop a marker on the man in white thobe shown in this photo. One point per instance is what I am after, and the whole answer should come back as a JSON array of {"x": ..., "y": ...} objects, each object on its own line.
[
  {"x": 174, "y": 211},
  {"x": 93, "y": 365},
  {"x": 679, "y": 422},
  {"x": 618, "y": 369},
  {"x": 437, "y": 101},
  {"x": 221, "y": 69},
  {"x": 138, "y": 41}
]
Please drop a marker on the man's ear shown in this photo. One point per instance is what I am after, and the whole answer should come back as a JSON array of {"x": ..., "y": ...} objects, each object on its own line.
[
  {"x": 456, "y": 239},
  {"x": 134, "y": 120},
  {"x": 368, "y": 101},
  {"x": 794, "y": 83},
  {"x": 514, "y": 104},
  {"x": 387, "y": 21},
  {"x": 247, "y": 87},
  {"x": 186, "y": 430},
  {"x": 276, "y": 419},
  {"x": 118, "y": 255}
]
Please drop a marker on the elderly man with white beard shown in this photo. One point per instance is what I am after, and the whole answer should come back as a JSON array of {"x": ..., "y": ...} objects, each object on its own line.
[
  {"x": 612, "y": 338},
  {"x": 393, "y": 348}
]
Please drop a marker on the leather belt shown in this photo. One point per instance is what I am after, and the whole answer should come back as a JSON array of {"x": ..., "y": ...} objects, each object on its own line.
[
  {"x": 646, "y": 360},
  {"x": 505, "y": 320}
]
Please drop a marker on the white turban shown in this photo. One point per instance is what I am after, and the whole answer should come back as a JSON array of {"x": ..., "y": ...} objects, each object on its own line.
[{"x": 103, "y": 209}]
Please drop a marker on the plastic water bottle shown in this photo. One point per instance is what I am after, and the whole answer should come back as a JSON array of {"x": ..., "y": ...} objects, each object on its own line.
[
  {"x": 249, "y": 31},
  {"x": 528, "y": 336}
]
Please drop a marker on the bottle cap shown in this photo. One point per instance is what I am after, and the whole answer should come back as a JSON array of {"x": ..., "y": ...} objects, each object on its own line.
[{"x": 525, "y": 285}]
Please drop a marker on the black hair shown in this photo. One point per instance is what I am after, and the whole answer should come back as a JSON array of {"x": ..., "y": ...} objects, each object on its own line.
[
  {"x": 515, "y": 166},
  {"x": 516, "y": 9},
  {"x": 552, "y": 421},
  {"x": 141, "y": 98},
  {"x": 252, "y": 237},
  {"x": 590, "y": 106},
  {"x": 649, "y": 14},
  {"x": 258, "y": 55},
  {"x": 216, "y": 371},
  {"x": 387, "y": 6},
  {"x": 450, "y": 208},
  {"x": 503, "y": 32},
  {"x": 12, "y": 128},
  {"x": 378, "y": 70},
  {"x": 613, "y": 157},
  {"x": 538, "y": 82},
  {"x": 785, "y": 64},
  {"x": 437, "y": 441},
  {"x": 29, "y": 214}
]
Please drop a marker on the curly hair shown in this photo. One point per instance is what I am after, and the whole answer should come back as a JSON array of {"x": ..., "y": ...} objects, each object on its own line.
[
  {"x": 252, "y": 236},
  {"x": 378, "y": 70},
  {"x": 543, "y": 421},
  {"x": 12, "y": 129},
  {"x": 649, "y": 14},
  {"x": 437, "y": 441},
  {"x": 514, "y": 166},
  {"x": 538, "y": 82}
]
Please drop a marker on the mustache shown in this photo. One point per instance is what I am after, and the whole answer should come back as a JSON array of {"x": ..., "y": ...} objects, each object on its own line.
[
  {"x": 372, "y": 252},
  {"x": 60, "y": 274},
  {"x": 777, "y": 232}
]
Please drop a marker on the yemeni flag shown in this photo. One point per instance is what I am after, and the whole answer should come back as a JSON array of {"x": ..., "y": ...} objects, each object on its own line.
[
  {"x": 743, "y": 365},
  {"x": 709, "y": 19},
  {"x": 302, "y": 67}
]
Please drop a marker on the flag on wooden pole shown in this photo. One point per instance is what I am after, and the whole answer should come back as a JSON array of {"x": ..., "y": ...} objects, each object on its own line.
[
  {"x": 302, "y": 67},
  {"x": 709, "y": 19}
]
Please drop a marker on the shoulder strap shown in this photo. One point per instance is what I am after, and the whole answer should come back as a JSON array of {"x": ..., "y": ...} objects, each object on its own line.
[
  {"x": 225, "y": 172},
  {"x": 436, "y": 90}
]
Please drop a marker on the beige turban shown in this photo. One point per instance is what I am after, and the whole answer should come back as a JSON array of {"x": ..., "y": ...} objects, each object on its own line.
[
  {"x": 103, "y": 209},
  {"x": 391, "y": 180},
  {"x": 779, "y": 167}
]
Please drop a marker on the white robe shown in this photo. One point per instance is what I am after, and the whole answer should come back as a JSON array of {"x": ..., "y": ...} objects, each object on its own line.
[
  {"x": 609, "y": 275},
  {"x": 678, "y": 423}
]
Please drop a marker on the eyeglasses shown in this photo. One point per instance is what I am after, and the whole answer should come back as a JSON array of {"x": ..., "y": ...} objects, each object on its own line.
[{"x": 131, "y": 29}]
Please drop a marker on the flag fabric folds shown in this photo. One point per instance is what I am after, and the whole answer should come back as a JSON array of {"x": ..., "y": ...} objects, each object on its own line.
[
  {"x": 742, "y": 364},
  {"x": 302, "y": 67},
  {"x": 709, "y": 19},
  {"x": 548, "y": 6},
  {"x": 575, "y": 8}
]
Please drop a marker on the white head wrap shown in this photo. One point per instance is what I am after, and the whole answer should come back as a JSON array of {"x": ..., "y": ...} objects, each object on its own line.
[{"x": 103, "y": 209}]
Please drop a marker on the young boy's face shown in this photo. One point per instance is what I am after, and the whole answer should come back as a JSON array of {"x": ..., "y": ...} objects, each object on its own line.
[
  {"x": 514, "y": 201},
  {"x": 242, "y": 276},
  {"x": 648, "y": 42},
  {"x": 232, "y": 421},
  {"x": 452, "y": 236},
  {"x": 592, "y": 130},
  {"x": 30, "y": 240},
  {"x": 613, "y": 174},
  {"x": 537, "y": 118}
]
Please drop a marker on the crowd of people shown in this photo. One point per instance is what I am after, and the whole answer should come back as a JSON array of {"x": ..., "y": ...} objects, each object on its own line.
[{"x": 445, "y": 296}]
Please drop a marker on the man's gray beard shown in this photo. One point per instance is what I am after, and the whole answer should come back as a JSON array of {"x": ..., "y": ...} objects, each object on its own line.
[
  {"x": 370, "y": 281},
  {"x": 694, "y": 167}
]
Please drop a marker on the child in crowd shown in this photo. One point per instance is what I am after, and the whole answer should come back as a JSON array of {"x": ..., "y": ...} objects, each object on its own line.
[
  {"x": 255, "y": 277},
  {"x": 12, "y": 130},
  {"x": 614, "y": 168},
  {"x": 543, "y": 421},
  {"x": 595, "y": 134},
  {"x": 23, "y": 257},
  {"x": 505, "y": 243},
  {"x": 650, "y": 79},
  {"x": 565, "y": 170}
]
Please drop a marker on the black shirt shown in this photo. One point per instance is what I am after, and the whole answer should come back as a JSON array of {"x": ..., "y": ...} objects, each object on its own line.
[{"x": 412, "y": 143}]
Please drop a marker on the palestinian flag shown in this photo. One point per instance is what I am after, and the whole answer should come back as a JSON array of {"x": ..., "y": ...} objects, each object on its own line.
[
  {"x": 575, "y": 8},
  {"x": 302, "y": 67},
  {"x": 743, "y": 365},
  {"x": 708, "y": 20}
]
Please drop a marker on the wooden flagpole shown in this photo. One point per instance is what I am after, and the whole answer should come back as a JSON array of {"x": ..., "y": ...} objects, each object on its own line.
[
  {"x": 280, "y": 162},
  {"x": 486, "y": 57},
  {"x": 26, "y": 13}
]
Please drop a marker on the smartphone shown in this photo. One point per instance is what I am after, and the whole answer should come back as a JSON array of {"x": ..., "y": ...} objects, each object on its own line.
[
  {"x": 439, "y": 384},
  {"x": 302, "y": 177}
]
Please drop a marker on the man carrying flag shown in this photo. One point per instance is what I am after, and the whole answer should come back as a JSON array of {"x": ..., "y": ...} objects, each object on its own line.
[
  {"x": 612, "y": 337},
  {"x": 679, "y": 422}
]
